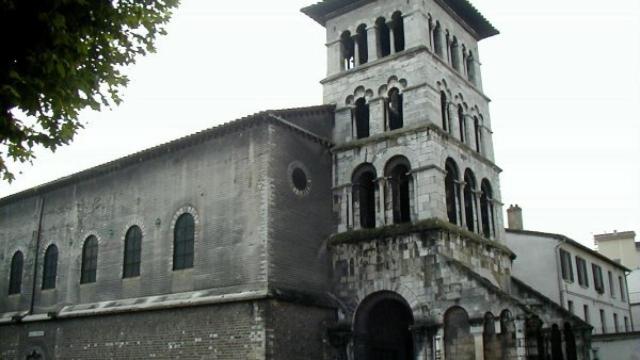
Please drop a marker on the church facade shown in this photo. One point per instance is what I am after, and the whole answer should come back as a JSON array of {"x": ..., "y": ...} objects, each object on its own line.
[{"x": 369, "y": 227}]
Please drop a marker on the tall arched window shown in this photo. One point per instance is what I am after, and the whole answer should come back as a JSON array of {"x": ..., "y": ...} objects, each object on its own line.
[
  {"x": 508, "y": 334},
  {"x": 361, "y": 114},
  {"x": 478, "y": 135},
  {"x": 489, "y": 343},
  {"x": 486, "y": 208},
  {"x": 398, "y": 176},
  {"x": 364, "y": 194},
  {"x": 398, "y": 31},
  {"x": 471, "y": 68},
  {"x": 15, "y": 278},
  {"x": 469, "y": 199},
  {"x": 362, "y": 44},
  {"x": 183, "y": 241},
  {"x": 533, "y": 338},
  {"x": 89, "y": 266},
  {"x": 462, "y": 123},
  {"x": 394, "y": 109},
  {"x": 50, "y": 268},
  {"x": 455, "y": 53},
  {"x": 437, "y": 40},
  {"x": 384, "y": 37},
  {"x": 132, "y": 252},
  {"x": 444, "y": 113},
  {"x": 450, "y": 184},
  {"x": 347, "y": 48},
  {"x": 458, "y": 340}
]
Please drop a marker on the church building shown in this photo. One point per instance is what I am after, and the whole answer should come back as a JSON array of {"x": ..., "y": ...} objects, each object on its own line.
[{"x": 369, "y": 227}]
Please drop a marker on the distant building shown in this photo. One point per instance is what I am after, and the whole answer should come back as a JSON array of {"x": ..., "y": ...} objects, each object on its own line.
[{"x": 583, "y": 281}]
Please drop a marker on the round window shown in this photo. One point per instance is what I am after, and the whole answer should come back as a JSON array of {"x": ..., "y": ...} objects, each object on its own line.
[{"x": 299, "y": 179}]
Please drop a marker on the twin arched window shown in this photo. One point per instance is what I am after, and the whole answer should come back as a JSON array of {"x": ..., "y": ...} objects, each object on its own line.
[
  {"x": 50, "y": 268},
  {"x": 89, "y": 266},
  {"x": 15, "y": 278},
  {"x": 183, "y": 241}
]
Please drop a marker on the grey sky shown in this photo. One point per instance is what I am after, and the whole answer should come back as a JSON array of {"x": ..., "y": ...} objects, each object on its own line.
[{"x": 564, "y": 77}]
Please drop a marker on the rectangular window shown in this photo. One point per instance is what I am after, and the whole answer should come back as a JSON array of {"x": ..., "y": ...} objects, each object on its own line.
[
  {"x": 581, "y": 266},
  {"x": 621, "y": 286},
  {"x": 612, "y": 289},
  {"x": 570, "y": 306},
  {"x": 586, "y": 314},
  {"x": 626, "y": 324},
  {"x": 598, "y": 284},
  {"x": 615, "y": 322},
  {"x": 603, "y": 321},
  {"x": 565, "y": 265}
]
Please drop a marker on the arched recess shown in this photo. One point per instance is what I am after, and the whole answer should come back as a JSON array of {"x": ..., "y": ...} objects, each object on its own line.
[
  {"x": 450, "y": 185},
  {"x": 458, "y": 340},
  {"x": 489, "y": 340},
  {"x": 398, "y": 175},
  {"x": 486, "y": 209},
  {"x": 507, "y": 335},
  {"x": 437, "y": 40},
  {"x": 469, "y": 194},
  {"x": 570, "y": 343},
  {"x": 362, "y": 44},
  {"x": 477, "y": 131},
  {"x": 444, "y": 112},
  {"x": 534, "y": 341},
  {"x": 347, "y": 50},
  {"x": 361, "y": 116},
  {"x": 15, "y": 276},
  {"x": 89, "y": 267},
  {"x": 364, "y": 195},
  {"x": 384, "y": 37},
  {"x": 382, "y": 328},
  {"x": 50, "y": 267},
  {"x": 394, "y": 109},
  {"x": 556, "y": 343},
  {"x": 455, "y": 53},
  {"x": 397, "y": 23},
  {"x": 471, "y": 68},
  {"x": 462, "y": 123}
]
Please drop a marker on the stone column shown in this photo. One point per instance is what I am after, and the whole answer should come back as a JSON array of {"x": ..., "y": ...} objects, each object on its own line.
[
  {"x": 372, "y": 43},
  {"x": 477, "y": 332},
  {"x": 356, "y": 51},
  {"x": 462, "y": 221},
  {"x": 477, "y": 212},
  {"x": 349, "y": 194},
  {"x": 381, "y": 218}
]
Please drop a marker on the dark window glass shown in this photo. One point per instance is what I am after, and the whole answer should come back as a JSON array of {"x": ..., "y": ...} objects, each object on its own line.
[
  {"x": 565, "y": 265},
  {"x": 15, "y": 278},
  {"x": 132, "y": 252},
  {"x": 581, "y": 266},
  {"x": 50, "y": 268},
  {"x": 598, "y": 284},
  {"x": 89, "y": 260},
  {"x": 361, "y": 114},
  {"x": 183, "y": 236}
]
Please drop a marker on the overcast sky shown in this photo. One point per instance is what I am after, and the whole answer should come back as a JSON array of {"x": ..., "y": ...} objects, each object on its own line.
[{"x": 563, "y": 76}]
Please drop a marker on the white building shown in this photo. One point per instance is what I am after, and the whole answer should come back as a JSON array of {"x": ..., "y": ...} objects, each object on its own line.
[{"x": 587, "y": 283}]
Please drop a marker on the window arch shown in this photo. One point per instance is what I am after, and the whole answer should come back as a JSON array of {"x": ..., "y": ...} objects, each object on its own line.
[
  {"x": 361, "y": 115},
  {"x": 347, "y": 49},
  {"x": 477, "y": 133},
  {"x": 486, "y": 208},
  {"x": 394, "y": 109},
  {"x": 450, "y": 186},
  {"x": 183, "y": 242},
  {"x": 397, "y": 23},
  {"x": 471, "y": 68},
  {"x": 444, "y": 112},
  {"x": 15, "y": 277},
  {"x": 462, "y": 123},
  {"x": 397, "y": 172},
  {"x": 384, "y": 37},
  {"x": 89, "y": 266},
  {"x": 455, "y": 55},
  {"x": 364, "y": 194},
  {"x": 362, "y": 44},
  {"x": 132, "y": 252},
  {"x": 469, "y": 195},
  {"x": 50, "y": 267},
  {"x": 437, "y": 40}
]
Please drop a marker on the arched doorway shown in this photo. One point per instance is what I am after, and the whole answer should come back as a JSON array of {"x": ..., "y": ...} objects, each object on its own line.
[{"x": 382, "y": 328}]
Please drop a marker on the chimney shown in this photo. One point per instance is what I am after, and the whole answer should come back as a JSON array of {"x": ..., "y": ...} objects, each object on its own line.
[{"x": 514, "y": 217}]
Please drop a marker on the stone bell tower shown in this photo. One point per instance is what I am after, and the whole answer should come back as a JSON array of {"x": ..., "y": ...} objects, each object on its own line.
[{"x": 419, "y": 234}]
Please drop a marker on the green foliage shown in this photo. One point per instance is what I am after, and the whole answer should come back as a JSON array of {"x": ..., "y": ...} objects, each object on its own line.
[{"x": 61, "y": 56}]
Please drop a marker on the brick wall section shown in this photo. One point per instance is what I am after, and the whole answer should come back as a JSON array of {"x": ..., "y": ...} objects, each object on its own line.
[{"x": 223, "y": 331}]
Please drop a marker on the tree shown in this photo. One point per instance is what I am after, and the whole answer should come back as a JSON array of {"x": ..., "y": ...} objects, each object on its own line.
[{"x": 61, "y": 56}]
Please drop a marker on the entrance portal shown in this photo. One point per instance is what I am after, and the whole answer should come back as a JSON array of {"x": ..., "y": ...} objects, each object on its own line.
[{"x": 382, "y": 328}]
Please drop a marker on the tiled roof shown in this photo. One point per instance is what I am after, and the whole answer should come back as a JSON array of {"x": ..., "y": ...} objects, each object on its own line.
[
  {"x": 278, "y": 116},
  {"x": 327, "y": 9}
]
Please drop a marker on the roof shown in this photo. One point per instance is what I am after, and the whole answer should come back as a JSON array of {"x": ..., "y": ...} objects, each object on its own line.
[
  {"x": 616, "y": 235},
  {"x": 327, "y": 9},
  {"x": 570, "y": 241},
  {"x": 278, "y": 117}
]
